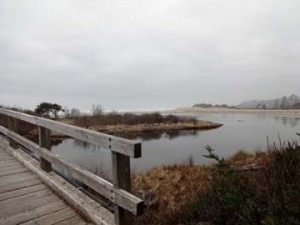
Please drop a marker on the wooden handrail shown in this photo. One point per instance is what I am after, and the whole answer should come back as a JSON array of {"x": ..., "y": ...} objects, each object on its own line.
[
  {"x": 117, "y": 192},
  {"x": 109, "y": 142}
]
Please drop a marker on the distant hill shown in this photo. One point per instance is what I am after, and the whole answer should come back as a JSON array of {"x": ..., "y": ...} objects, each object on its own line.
[
  {"x": 291, "y": 102},
  {"x": 208, "y": 105}
]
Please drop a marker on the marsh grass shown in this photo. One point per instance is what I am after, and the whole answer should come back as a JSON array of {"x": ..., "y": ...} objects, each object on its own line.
[
  {"x": 269, "y": 196},
  {"x": 222, "y": 194}
]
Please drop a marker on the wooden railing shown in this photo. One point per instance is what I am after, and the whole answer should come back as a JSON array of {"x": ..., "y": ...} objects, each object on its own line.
[{"x": 125, "y": 204}]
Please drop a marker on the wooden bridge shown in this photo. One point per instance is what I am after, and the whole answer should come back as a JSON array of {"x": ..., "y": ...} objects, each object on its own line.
[{"x": 32, "y": 192}]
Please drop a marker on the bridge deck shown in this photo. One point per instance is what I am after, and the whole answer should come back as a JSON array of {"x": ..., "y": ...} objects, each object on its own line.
[{"x": 25, "y": 200}]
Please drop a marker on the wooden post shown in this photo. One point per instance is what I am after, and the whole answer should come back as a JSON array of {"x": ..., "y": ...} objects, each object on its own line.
[
  {"x": 13, "y": 126},
  {"x": 45, "y": 142},
  {"x": 121, "y": 179}
]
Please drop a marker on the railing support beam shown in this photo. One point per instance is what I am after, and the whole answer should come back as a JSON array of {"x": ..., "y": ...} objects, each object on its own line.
[
  {"x": 13, "y": 126},
  {"x": 122, "y": 180},
  {"x": 45, "y": 142}
]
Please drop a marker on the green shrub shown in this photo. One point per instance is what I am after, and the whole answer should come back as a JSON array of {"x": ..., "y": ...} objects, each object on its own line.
[{"x": 270, "y": 196}]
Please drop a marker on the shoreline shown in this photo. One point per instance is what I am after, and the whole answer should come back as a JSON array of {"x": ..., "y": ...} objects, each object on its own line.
[
  {"x": 274, "y": 112},
  {"x": 143, "y": 128},
  {"x": 140, "y": 128}
]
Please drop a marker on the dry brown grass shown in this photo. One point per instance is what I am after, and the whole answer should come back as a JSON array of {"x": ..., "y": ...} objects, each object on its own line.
[
  {"x": 173, "y": 186},
  {"x": 242, "y": 158},
  {"x": 111, "y": 129},
  {"x": 176, "y": 185}
]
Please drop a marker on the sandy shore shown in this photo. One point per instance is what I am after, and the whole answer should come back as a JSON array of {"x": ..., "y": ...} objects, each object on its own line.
[{"x": 294, "y": 113}]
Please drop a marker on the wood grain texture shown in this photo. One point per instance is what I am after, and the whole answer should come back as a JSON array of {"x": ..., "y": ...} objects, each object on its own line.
[
  {"x": 53, "y": 217},
  {"x": 34, "y": 213},
  {"x": 122, "y": 180},
  {"x": 13, "y": 126},
  {"x": 25, "y": 199},
  {"x": 109, "y": 142},
  {"x": 79, "y": 201},
  {"x": 17, "y": 181},
  {"x": 118, "y": 195},
  {"x": 22, "y": 191},
  {"x": 45, "y": 142}
]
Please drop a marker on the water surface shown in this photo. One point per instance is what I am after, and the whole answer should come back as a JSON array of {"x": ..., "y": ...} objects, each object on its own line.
[{"x": 240, "y": 131}]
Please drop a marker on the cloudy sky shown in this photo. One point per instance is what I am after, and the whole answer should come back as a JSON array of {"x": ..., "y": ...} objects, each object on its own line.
[{"x": 141, "y": 54}]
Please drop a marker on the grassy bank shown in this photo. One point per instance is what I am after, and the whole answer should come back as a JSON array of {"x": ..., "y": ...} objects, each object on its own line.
[{"x": 227, "y": 192}]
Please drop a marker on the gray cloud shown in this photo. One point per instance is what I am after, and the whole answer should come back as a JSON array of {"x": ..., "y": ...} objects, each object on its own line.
[{"x": 147, "y": 54}]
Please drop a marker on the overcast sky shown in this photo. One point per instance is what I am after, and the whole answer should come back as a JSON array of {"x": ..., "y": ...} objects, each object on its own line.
[{"x": 141, "y": 54}]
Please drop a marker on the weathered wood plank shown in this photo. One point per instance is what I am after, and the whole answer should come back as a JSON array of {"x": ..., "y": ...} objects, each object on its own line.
[
  {"x": 118, "y": 196},
  {"x": 13, "y": 170},
  {"x": 18, "y": 185},
  {"x": 13, "y": 126},
  {"x": 25, "y": 198},
  {"x": 2, "y": 154},
  {"x": 109, "y": 142},
  {"x": 6, "y": 158},
  {"x": 103, "y": 187},
  {"x": 9, "y": 167},
  {"x": 121, "y": 179},
  {"x": 18, "y": 177},
  {"x": 68, "y": 192},
  {"x": 22, "y": 191},
  {"x": 21, "y": 203},
  {"x": 32, "y": 214},
  {"x": 45, "y": 142},
  {"x": 7, "y": 161},
  {"x": 52, "y": 218},
  {"x": 28, "y": 205},
  {"x": 72, "y": 221},
  {"x": 10, "y": 163},
  {"x": 118, "y": 192}
]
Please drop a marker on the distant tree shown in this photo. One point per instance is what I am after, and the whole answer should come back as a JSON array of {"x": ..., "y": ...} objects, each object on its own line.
[
  {"x": 45, "y": 108},
  {"x": 296, "y": 105},
  {"x": 67, "y": 112},
  {"x": 284, "y": 103},
  {"x": 97, "y": 110},
  {"x": 55, "y": 109},
  {"x": 203, "y": 105},
  {"x": 276, "y": 104},
  {"x": 264, "y": 106},
  {"x": 75, "y": 112}
]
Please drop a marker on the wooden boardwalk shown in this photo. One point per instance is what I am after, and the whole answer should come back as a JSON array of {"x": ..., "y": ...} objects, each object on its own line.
[{"x": 24, "y": 199}]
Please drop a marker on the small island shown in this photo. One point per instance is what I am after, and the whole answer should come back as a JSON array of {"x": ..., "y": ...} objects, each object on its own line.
[{"x": 117, "y": 123}]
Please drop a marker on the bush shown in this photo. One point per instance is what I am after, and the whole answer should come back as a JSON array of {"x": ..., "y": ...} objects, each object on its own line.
[
  {"x": 128, "y": 119},
  {"x": 270, "y": 196}
]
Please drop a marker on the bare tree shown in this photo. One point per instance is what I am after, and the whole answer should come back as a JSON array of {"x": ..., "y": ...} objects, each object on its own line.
[
  {"x": 97, "y": 110},
  {"x": 75, "y": 112}
]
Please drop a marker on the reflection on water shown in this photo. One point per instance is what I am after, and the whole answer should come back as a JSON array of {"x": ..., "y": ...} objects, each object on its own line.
[
  {"x": 240, "y": 131},
  {"x": 135, "y": 136},
  {"x": 148, "y": 136},
  {"x": 292, "y": 121},
  {"x": 175, "y": 134},
  {"x": 55, "y": 141}
]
